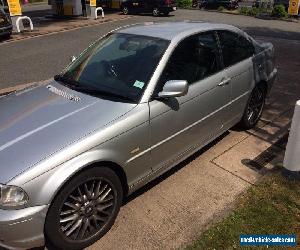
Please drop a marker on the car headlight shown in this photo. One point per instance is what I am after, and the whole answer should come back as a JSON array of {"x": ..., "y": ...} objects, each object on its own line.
[{"x": 12, "y": 197}]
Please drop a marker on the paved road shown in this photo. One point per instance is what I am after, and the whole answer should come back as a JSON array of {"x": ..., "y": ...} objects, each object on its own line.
[{"x": 40, "y": 58}]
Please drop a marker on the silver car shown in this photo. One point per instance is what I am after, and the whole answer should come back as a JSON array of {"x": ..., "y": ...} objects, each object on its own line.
[{"x": 134, "y": 104}]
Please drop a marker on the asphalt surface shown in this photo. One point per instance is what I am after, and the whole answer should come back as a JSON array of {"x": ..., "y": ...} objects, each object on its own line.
[{"x": 40, "y": 58}]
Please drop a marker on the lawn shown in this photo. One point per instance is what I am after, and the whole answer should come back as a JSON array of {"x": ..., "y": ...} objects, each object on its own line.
[{"x": 270, "y": 207}]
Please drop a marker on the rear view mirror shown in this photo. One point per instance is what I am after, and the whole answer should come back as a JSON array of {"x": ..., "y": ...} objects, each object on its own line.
[{"x": 174, "y": 88}]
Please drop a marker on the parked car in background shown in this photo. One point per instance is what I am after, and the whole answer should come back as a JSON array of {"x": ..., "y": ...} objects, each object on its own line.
[
  {"x": 5, "y": 24},
  {"x": 109, "y": 4},
  {"x": 130, "y": 107},
  {"x": 156, "y": 7},
  {"x": 215, "y": 4}
]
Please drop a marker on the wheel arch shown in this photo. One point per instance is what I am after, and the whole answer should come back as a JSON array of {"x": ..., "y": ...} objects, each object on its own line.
[
  {"x": 51, "y": 182},
  {"x": 116, "y": 168},
  {"x": 119, "y": 171},
  {"x": 264, "y": 85}
]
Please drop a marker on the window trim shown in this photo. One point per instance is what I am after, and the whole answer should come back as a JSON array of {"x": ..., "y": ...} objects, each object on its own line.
[
  {"x": 221, "y": 51},
  {"x": 218, "y": 57}
]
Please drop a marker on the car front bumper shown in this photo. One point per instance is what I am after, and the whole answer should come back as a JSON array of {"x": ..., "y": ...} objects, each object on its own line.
[
  {"x": 23, "y": 228},
  {"x": 168, "y": 8}
]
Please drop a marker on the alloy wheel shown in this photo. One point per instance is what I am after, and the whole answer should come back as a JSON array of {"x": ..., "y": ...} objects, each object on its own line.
[
  {"x": 87, "y": 209},
  {"x": 125, "y": 11},
  {"x": 155, "y": 12}
]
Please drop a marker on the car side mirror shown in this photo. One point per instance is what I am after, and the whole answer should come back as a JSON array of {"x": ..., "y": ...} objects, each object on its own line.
[
  {"x": 73, "y": 58},
  {"x": 174, "y": 88}
]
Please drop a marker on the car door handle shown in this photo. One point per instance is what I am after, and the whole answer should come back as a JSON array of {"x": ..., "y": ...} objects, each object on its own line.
[{"x": 224, "y": 82}]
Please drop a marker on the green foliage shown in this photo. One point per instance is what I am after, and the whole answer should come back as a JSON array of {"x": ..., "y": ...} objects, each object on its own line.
[
  {"x": 270, "y": 207},
  {"x": 253, "y": 11},
  {"x": 221, "y": 8},
  {"x": 279, "y": 11},
  {"x": 184, "y": 3},
  {"x": 250, "y": 11},
  {"x": 244, "y": 10}
]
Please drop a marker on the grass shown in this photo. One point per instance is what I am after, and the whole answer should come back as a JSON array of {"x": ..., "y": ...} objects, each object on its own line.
[{"x": 271, "y": 207}]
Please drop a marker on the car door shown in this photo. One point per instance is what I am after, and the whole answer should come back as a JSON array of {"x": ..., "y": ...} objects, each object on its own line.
[
  {"x": 148, "y": 5},
  {"x": 179, "y": 125},
  {"x": 237, "y": 53}
]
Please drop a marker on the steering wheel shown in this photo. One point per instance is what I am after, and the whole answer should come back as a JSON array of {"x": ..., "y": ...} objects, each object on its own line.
[{"x": 110, "y": 68}]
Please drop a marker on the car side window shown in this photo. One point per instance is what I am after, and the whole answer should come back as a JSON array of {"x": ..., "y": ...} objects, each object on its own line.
[
  {"x": 194, "y": 58},
  {"x": 235, "y": 47}
]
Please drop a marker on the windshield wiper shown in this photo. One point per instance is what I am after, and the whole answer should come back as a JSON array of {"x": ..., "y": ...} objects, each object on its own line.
[
  {"x": 98, "y": 92},
  {"x": 73, "y": 84}
]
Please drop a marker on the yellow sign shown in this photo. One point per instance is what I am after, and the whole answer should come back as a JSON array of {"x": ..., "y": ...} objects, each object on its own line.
[
  {"x": 68, "y": 10},
  {"x": 14, "y": 7},
  {"x": 293, "y": 7},
  {"x": 93, "y": 3}
]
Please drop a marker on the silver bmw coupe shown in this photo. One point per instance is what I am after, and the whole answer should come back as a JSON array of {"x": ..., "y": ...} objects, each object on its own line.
[{"x": 132, "y": 105}]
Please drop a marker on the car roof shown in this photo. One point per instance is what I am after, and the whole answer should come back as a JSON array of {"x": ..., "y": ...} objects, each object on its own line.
[{"x": 172, "y": 30}]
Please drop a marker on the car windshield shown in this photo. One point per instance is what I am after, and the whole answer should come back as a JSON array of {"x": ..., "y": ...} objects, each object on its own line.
[{"x": 118, "y": 66}]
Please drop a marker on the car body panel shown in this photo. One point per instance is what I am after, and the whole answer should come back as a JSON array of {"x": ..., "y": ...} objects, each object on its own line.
[
  {"x": 27, "y": 224},
  {"x": 264, "y": 65},
  {"x": 40, "y": 126},
  {"x": 241, "y": 83},
  {"x": 102, "y": 146},
  {"x": 178, "y": 124},
  {"x": 175, "y": 31}
]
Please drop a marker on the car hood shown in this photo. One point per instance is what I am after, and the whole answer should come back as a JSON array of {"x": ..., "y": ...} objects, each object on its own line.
[{"x": 35, "y": 123}]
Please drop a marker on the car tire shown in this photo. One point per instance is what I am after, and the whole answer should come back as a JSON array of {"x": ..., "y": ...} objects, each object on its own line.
[
  {"x": 155, "y": 11},
  {"x": 125, "y": 10},
  {"x": 254, "y": 107},
  {"x": 84, "y": 209}
]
